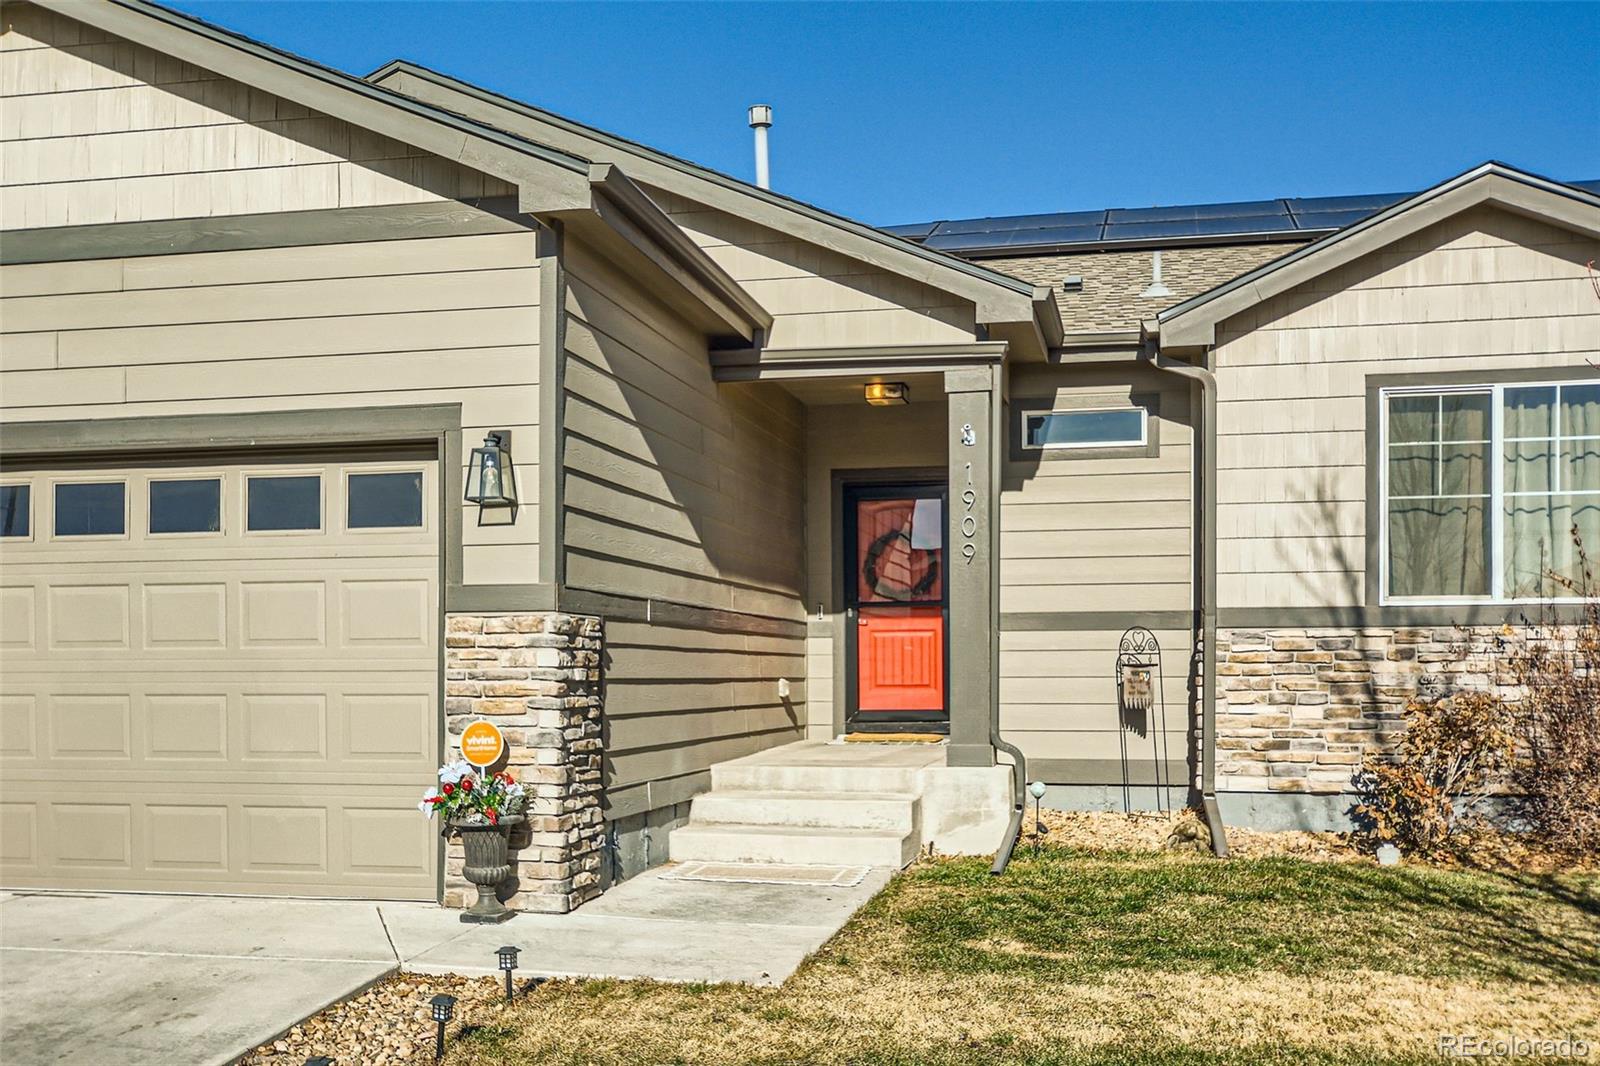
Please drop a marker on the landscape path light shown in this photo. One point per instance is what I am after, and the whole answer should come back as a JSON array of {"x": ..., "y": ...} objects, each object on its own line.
[
  {"x": 1036, "y": 790},
  {"x": 508, "y": 962},
  {"x": 444, "y": 1008}
]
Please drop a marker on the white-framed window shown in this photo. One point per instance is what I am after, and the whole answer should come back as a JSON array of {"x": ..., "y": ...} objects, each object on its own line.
[
  {"x": 1481, "y": 487},
  {"x": 1086, "y": 427}
]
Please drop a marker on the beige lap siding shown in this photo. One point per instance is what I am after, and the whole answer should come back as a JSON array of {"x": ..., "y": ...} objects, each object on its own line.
[
  {"x": 819, "y": 298},
  {"x": 444, "y": 320},
  {"x": 1090, "y": 546},
  {"x": 685, "y": 494},
  {"x": 1486, "y": 292},
  {"x": 96, "y": 130}
]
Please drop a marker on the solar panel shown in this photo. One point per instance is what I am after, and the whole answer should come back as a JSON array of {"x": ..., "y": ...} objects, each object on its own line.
[
  {"x": 952, "y": 242},
  {"x": 1019, "y": 232},
  {"x": 1370, "y": 204},
  {"x": 913, "y": 232},
  {"x": 1012, "y": 223},
  {"x": 1201, "y": 227},
  {"x": 1197, "y": 212},
  {"x": 1319, "y": 220}
]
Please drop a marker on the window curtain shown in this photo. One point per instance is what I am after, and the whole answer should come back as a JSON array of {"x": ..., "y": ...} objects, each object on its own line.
[
  {"x": 1551, "y": 483},
  {"x": 1439, "y": 494}
]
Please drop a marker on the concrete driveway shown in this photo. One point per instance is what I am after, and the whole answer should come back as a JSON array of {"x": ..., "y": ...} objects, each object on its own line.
[{"x": 122, "y": 980}]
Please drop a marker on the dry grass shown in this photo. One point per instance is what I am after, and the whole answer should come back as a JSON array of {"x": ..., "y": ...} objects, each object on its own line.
[{"x": 1120, "y": 954}]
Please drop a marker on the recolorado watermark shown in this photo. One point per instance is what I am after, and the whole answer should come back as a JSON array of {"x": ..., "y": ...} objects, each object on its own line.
[{"x": 1474, "y": 1046}]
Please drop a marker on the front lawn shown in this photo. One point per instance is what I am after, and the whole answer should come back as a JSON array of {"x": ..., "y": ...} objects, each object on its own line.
[{"x": 1079, "y": 956}]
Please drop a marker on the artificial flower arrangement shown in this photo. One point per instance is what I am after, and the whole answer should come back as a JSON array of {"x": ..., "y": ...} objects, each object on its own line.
[{"x": 466, "y": 796}]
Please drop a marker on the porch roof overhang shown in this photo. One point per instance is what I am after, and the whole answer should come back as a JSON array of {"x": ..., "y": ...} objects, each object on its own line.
[
  {"x": 1193, "y": 323},
  {"x": 1008, "y": 308},
  {"x": 596, "y": 200},
  {"x": 618, "y": 220},
  {"x": 788, "y": 364}
]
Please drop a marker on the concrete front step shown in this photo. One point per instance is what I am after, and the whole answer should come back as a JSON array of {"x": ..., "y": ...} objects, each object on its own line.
[
  {"x": 887, "y": 811},
  {"x": 800, "y": 845},
  {"x": 749, "y": 776}
]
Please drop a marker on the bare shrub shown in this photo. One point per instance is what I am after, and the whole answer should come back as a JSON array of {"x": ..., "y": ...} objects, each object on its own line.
[
  {"x": 1454, "y": 753},
  {"x": 1557, "y": 669}
]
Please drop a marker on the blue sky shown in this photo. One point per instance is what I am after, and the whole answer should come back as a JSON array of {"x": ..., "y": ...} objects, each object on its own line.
[{"x": 907, "y": 112}]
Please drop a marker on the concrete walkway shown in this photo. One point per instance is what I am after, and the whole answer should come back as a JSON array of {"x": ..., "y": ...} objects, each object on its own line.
[{"x": 126, "y": 979}]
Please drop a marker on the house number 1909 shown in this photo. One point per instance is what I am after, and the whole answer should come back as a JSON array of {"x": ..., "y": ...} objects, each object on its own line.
[{"x": 969, "y": 521}]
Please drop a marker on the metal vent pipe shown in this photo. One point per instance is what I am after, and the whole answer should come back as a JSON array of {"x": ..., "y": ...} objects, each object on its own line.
[{"x": 761, "y": 121}]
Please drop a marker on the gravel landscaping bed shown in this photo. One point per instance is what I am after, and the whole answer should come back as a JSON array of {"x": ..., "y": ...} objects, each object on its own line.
[
  {"x": 1180, "y": 830},
  {"x": 388, "y": 1024}
]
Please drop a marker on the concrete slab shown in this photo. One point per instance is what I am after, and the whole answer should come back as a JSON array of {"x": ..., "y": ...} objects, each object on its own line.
[
  {"x": 113, "y": 980},
  {"x": 122, "y": 980},
  {"x": 648, "y": 927}
]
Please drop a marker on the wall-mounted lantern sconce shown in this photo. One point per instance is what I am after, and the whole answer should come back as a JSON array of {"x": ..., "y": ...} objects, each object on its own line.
[
  {"x": 887, "y": 393},
  {"x": 491, "y": 478}
]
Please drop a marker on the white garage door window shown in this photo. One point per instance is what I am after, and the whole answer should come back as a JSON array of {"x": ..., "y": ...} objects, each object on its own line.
[{"x": 220, "y": 677}]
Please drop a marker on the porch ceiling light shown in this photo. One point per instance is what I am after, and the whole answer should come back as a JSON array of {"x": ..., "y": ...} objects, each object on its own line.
[
  {"x": 887, "y": 393},
  {"x": 491, "y": 478}
]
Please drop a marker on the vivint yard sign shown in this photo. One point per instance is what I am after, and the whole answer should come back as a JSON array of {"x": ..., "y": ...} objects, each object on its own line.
[{"x": 482, "y": 743}]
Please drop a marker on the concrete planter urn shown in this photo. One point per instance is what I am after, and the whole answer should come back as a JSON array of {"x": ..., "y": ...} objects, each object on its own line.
[{"x": 487, "y": 866}]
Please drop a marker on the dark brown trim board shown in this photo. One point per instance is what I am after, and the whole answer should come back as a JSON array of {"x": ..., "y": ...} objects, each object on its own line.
[
  {"x": 552, "y": 408},
  {"x": 1171, "y": 773},
  {"x": 1352, "y": 617},
  {"x": 437, "y": 424},
  {"x": 285, "y": 229}
]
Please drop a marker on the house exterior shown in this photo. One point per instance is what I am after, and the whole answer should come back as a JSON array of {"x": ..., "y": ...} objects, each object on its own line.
[{"x": 256, "y": 314}]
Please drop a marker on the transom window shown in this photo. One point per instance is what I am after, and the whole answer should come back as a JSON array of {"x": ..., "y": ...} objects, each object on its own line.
[
  {"x": 91, "y": 509},
  {"x": 186, "y": 505},
  {"x": 1086, "y": 428},
  {"x": 283, "y": 504},
  {"x": 14, "y": 510},
  {"x": 1483, "y": 486}
]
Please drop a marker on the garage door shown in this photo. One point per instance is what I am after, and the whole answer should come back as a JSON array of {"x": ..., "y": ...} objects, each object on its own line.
[{"x": 220, "y": 676}]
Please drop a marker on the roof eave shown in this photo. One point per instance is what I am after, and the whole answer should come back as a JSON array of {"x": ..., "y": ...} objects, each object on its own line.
[
  {"x": 328, "y": 91},
  {"x": 997, "y": 298},
  {"x": 1193, "y": 322}
]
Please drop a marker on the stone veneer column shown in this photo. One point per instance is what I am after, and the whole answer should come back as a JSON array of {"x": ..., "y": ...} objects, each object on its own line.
[
  {"x": 538, "y": 677},
  {"x": 1299, "y": 709}
]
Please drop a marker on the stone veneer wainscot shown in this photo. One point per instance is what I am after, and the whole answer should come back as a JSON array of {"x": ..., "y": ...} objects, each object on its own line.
[
  {"x": 538, "y": 677},
  {"x": 1299, "y": 709}
]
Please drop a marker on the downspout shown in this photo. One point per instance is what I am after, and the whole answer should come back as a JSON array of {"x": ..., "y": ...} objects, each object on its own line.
[
  {"x": 1208, "y": 591},
  {"x": 1019, "y": 762}
]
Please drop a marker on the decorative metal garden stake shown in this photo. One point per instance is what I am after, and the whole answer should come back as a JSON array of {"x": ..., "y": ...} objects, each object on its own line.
[
  {"x": 508, "y": 962},
  {"x": 1140, "y": 689},
  {"x": 1036, "y": 790},
  {"x": 444, "y": 1008}
]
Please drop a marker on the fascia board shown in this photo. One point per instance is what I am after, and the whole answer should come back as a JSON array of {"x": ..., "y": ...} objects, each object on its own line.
[{"x": 997, "y": 297}]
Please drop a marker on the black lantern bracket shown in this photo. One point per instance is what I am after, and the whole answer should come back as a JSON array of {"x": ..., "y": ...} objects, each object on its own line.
[{"x": 491, "y": 481}]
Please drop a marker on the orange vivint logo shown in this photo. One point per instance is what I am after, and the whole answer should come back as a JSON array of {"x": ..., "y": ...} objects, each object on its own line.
[{"x": 482, "y": 743}]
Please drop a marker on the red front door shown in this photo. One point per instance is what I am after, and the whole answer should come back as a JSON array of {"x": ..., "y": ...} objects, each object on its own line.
[{"x": 897, "y": 603}]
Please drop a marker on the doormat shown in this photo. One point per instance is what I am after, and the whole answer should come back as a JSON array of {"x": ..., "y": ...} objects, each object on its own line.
[
  {"x": 895, "y": 738},
  {"x": 768, "y": 874}
]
